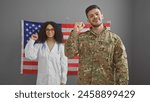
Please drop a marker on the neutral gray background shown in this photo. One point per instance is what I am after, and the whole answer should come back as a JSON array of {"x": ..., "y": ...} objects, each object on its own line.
[{"x": 129, "y": 19}]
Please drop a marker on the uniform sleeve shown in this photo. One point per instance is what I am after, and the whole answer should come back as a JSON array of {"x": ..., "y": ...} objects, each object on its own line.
[
  {"x": 120, "y": 64},
  {"x": 64, "y": 65},
  {"x": 31, "y": 50},
  {"x": 71, "y": 46}
]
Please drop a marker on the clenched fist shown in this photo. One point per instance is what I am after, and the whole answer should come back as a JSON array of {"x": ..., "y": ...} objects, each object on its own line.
[
  {"x": 34, "y": 36},
  {"x": 78, "y": 27}
]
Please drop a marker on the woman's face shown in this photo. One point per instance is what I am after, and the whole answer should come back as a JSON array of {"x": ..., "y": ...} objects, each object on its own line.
[{"x": 50, "y": 32}]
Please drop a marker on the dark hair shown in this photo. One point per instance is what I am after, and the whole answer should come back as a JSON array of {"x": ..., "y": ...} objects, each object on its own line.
[
  {"x": 58, "y": 36},
  {"x": 91, "y": 7}
]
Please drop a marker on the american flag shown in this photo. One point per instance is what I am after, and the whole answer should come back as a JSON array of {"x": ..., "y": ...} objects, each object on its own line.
[{"x": 29, "y": 28}]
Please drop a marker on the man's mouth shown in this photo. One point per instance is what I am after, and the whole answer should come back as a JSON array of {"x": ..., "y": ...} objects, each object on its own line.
[{"x": 95, "y": 20}]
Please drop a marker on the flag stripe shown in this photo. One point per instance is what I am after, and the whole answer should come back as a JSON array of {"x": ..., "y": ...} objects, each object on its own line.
[
  {"x": 70, "y": 29},
  {"x": 76, "y": 57},
  {"x": 72, "y": 25},
  {"x": 72, "y": 72},
  {"x": 66, "y": 33},
  {"x": 30, "y": 67},
  {"x": 69, "y": 60},
  {"x": 35, "y": 63},
  {"x": 33, "y": 71},
  {"x": 107, "y": 24},
  {"x": 66, "y": 37},
  {"x": 35, "y": 68},
  {"x": 28, "y": 71}
]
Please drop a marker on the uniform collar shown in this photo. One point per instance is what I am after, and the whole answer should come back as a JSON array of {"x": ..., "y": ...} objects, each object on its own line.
[{"x": 96, "y": 34}]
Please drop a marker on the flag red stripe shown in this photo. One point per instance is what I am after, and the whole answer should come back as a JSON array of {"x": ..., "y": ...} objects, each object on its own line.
[
  {"x": 28, "y": 71},
  {"x": 64, "y": 41},
  {"x": 72, "y": 72},
  {"x": 67, "y": 25},
  {"x": 76, "y": 57},
  {"x": 66, "y": 33},
  {"x": 34, "y": 63},
  {"x": 87, "y": 25},
  {"x": 73, "y": 65},
  {"x": 107, "y": 24},
  {"x": 72, "y": 25}
]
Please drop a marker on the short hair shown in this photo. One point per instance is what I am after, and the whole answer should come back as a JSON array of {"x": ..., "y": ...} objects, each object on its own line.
[
  {"x": 92, "y": 7},
  {"x": 58, "y": 36}
]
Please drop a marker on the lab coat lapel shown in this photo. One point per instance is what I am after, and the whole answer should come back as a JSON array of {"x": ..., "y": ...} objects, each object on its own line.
[{"x": 47, "y": 48}]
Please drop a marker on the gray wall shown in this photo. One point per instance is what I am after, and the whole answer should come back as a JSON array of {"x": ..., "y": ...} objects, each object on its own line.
[
  {"x": 125, "y": 18},
  {"x": 141, "y": 42}
]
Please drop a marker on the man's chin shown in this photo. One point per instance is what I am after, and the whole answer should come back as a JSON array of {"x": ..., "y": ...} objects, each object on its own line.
[{"x": 96, "y": 25}]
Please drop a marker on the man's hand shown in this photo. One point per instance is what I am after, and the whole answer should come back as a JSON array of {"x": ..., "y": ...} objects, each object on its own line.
[{"x": 78, "y": 27}]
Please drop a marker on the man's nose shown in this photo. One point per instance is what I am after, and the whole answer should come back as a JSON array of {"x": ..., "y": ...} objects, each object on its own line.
[{"x": 95, "y": 16}]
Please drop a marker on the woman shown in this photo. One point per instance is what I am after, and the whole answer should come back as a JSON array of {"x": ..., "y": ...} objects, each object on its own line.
[{"x": 49, "y": 52}]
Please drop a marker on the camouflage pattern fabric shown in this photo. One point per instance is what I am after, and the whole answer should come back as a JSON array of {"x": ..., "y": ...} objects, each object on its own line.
[{"x": 103, "y": 59}]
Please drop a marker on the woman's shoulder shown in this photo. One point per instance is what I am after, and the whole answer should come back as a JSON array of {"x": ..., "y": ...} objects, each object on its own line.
[
  {"x": 39, "y": 45},
  {"x": 60, "y": 46}
]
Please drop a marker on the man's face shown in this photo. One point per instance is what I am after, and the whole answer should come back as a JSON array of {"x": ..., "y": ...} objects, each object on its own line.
[{"x": 95, "y": 17}]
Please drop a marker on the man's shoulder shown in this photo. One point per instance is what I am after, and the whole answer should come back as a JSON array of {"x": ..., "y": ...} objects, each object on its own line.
[
  {"x": 112, "y": 34},
  {"x": 85, "y": 33}
]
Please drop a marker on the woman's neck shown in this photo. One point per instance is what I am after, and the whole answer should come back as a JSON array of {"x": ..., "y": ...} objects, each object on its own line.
[{"x": 50, "y": 40}]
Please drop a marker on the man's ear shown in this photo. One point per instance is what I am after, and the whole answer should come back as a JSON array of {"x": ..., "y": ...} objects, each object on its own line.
[{"x": 102, "y": 16}]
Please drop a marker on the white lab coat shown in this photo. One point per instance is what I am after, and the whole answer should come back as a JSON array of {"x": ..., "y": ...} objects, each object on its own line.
[{"x": 52, "y": 65}]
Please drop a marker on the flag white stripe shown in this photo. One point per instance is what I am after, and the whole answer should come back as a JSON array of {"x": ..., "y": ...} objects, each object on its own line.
[
  {"x": 73, "y": 60},
  {"x": 70, "y": 29},
  {"x": 28, "y": 59},
  {"x": 65, "y": 37},
  {"x": 69, "y": 60},
  {"x": 30, "y": 67},
  {"x": 73, "y": 69}
]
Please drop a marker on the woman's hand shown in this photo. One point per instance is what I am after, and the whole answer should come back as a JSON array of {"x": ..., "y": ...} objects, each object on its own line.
[{"x": 34, "y": 36}]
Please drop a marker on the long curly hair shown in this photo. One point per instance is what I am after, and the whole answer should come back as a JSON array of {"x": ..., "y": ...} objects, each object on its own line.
[{"x": 58, "y": 36}]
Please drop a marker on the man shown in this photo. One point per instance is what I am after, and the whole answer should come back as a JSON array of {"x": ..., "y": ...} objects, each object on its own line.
[{"x": 103, "y": 59}]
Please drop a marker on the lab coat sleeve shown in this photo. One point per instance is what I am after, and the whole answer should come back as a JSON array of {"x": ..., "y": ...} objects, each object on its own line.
[
  {"x": 31, "y": 50},
  {"x": 64, "y": 65}
]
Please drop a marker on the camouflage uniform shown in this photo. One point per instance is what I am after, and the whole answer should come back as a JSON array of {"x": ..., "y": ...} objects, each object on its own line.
[{"x": 103, "y": 59}]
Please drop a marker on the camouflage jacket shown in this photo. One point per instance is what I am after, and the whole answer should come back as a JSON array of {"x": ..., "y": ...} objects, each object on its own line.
[{"x": 103, "y": 59}]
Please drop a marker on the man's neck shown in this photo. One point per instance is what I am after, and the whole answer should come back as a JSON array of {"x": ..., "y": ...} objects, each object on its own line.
[{"x": 98, "y": 29}]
